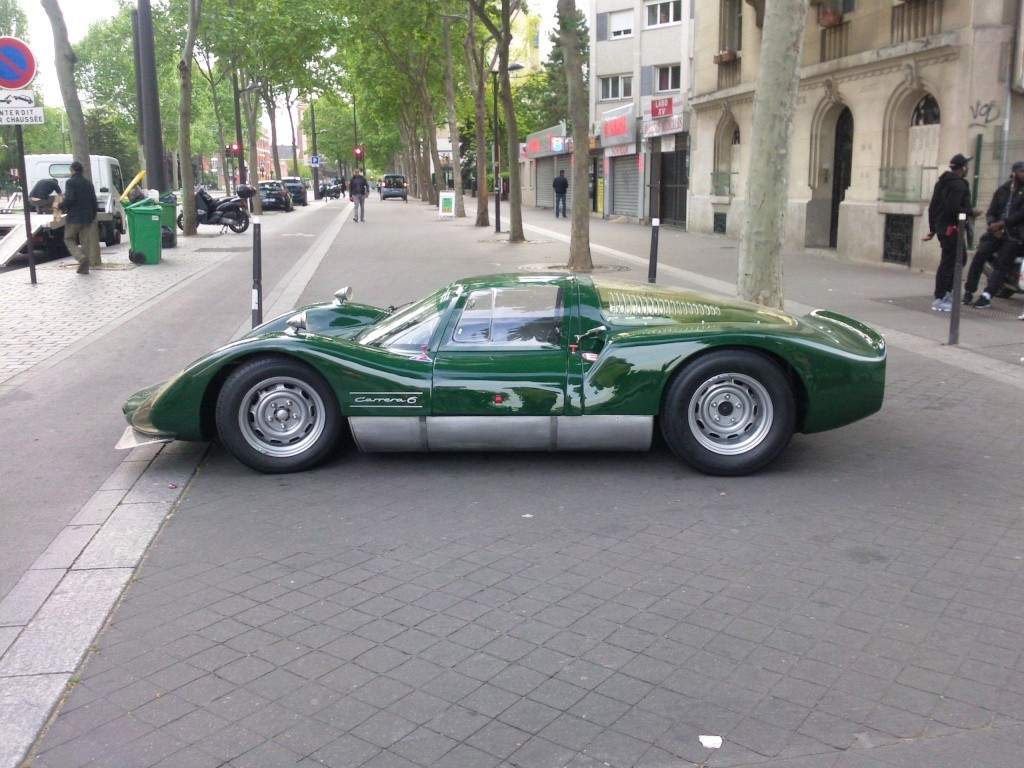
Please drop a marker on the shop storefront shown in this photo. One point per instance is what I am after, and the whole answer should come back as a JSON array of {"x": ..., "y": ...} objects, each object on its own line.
[
  {"x": 623, "y": 166},
  {"x": 665, "y": 134},
  {"x": 548, "y": 152}
]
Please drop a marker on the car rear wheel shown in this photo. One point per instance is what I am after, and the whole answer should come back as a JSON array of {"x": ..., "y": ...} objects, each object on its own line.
[
  {"x": 278, "y": 415},
  {"x": 729, "y": 413}
]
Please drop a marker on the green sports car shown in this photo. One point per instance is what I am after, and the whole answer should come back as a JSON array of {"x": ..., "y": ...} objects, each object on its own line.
[{"x": 524, "y": 362}]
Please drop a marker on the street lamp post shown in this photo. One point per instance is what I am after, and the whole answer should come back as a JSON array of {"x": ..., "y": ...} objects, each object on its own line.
[
  {"x": 316, "y": 168},
  {"x": 497, "y": 156}
]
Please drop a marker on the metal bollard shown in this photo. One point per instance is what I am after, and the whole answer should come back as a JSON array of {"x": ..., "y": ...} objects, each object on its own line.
[
  {"x": 652, "y": 269},
  {"x": 257, "y": 273},
  {"x": 958, "y": 272}
]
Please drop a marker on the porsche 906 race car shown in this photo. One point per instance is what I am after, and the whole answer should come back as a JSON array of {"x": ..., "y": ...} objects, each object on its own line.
[{"x": 530, "y": 362}]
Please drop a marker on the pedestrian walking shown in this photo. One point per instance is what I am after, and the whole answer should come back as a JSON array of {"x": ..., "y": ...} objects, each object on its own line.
[
  {"x": 992, "y": 241},
  {"x": 358, "y": 189},
  {"x": 561, "y": 185},
  {"x": 950, "y": 197},
  {"x": 81, "y": 235}
]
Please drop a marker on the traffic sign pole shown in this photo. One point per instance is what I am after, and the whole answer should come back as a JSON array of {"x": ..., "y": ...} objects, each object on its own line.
[
  {"x": 17, "y": 70},
  {"x": 30, "y": 246}
]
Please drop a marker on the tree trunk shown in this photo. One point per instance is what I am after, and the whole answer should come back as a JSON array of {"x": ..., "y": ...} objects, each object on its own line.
[
  {"x": 453, "y": 120},
  {"x": 267, "y": 92},
  {"x": 580, "y": 259},
  {"x": 188, "y": 181},
  {"x": 295, "y": 148},
  {"x": 65, "y": 60},
  {"x": 251, "y": 107},
  {"x": 433, "y": 156},
  {"x": 764, "y": 225},
  {"x": 475, "y": 57}
]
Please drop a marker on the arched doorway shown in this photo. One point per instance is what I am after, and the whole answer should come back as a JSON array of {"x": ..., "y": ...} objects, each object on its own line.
[{"x": 842, "y": 165}]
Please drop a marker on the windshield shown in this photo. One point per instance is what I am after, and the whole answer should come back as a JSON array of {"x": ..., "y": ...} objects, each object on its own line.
[{"x": 411, "y": 328}]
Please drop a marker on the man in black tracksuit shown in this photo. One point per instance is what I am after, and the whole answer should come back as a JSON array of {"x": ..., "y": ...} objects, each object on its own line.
[
  {"x": 991, "y": 243},
  {"x": 950, "y": 198},
  {"x": 1010, "y": 227}
]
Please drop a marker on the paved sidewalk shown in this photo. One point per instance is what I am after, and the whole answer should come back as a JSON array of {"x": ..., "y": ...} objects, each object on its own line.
[{"x": 411, "y": 612}]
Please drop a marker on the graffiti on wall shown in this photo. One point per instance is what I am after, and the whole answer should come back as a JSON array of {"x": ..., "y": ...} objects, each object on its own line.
[{"x": 984, "y": 114}]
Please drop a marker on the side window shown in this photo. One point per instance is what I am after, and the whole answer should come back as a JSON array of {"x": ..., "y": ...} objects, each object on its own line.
[
  {"x": 118, "y": 180},
  {"x": 516, "y": 317}
]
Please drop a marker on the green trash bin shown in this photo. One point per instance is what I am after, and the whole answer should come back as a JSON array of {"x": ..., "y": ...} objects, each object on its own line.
[
  {"x": 168, "y": 220},
  {"x": 144, "y": 232}
]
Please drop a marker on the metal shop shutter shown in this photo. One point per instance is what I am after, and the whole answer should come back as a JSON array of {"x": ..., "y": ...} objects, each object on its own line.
[
  {"x": 545, "y": 175},
  {"x": 625, "y": 186}
]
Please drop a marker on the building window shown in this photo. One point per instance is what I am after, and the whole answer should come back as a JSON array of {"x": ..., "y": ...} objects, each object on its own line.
[
  {"x": 840, "y": 6},
  {"x": 661, "y": 13},
  {"x": 926, "y": 112},
  {"x": 620, "y": 24},
  {"x": 617, "y": 87},
  {"x": 668, "y": 78},
  {"x": 730, "y": 32}
]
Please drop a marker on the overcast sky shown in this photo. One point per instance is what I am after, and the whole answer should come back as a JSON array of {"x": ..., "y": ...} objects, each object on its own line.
[{"x": 78, "y": 15}]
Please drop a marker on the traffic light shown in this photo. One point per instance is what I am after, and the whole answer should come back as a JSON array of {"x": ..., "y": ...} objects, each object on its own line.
[
  {"x": 233, "y": 150},
  {"x": 359, "y": 153}
]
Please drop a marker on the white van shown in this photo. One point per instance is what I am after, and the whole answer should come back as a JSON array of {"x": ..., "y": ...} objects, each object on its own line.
[{"x": 106, "y": 177}]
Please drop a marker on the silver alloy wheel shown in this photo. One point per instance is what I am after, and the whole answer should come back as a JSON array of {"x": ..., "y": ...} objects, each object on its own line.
[
  {"x": 281, "y": 417},
  {"x": 730, "y": 414}
]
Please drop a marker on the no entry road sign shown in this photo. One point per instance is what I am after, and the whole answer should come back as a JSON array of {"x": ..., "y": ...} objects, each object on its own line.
[{"x": 17, "y": 64}]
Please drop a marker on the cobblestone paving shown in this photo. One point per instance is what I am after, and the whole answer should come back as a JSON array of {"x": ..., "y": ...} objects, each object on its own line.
[
  {"x": 88, "y": 303},
  {"x": 841, "y": 610}
]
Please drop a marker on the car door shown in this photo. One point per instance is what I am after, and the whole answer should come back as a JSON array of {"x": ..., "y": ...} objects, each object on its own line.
[{"x": 500, "y": 369}]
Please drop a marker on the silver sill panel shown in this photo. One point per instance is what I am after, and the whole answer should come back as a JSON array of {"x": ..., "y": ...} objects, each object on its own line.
[
  {"x": 374, "y": 434},
  {"x": 605, "y": 433}
]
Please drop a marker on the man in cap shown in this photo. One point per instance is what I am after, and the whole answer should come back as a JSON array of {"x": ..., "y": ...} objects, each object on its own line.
[
  {"x": 950, "y": 197},
  {"x": 991, "y": 243},
  {"x": 80, "y": 233},
  {"x": 1011, "y": 227}
]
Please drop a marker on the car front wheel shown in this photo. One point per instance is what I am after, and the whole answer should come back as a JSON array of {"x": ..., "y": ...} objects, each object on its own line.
[
  {"x": 729, "y": 413},
  {"x": 278, "y": 415}
]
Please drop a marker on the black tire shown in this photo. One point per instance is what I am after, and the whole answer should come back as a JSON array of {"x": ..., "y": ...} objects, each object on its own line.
[
  {"x": 111, "y": 233},
  {"x": 240, "y": 223},
  {"x": 729, "y": 413},
  {"x": 278, "y": 415},
  {"x": 181, "y": 221}
]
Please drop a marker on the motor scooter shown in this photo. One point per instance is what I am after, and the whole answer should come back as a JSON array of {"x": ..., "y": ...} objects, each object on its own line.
[
  {"x": 227, "y": 212},
  {"x": 330, "y": 190}
]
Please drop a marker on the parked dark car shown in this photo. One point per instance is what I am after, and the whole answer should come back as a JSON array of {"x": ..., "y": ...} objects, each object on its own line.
[
  {"x": 297, "y": 188},
  {"x": 394, "y": 185},
  {"x": 275, "y": 196}
]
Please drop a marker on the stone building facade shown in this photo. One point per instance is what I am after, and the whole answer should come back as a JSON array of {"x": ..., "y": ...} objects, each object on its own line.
[{"x": 889, "y": 91}]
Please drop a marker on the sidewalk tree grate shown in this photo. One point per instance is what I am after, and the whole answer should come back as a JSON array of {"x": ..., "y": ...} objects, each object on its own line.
[
  {"x": 598, "y": 268},
  {"x": 105, "y": 266}
]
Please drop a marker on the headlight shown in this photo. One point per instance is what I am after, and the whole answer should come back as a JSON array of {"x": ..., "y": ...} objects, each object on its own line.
[{"x": 296, "y": 324}]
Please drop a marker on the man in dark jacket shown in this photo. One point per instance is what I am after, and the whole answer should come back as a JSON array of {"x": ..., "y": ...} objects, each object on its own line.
[
  {"x": 1010, "y": 227},
  {"x": 991, "y": 243},
  {"x": 80, "y": 233},
  {"x": 561, "y": 185},
  {"x": 950, "y": 198},
  {"x": 42, "y": 195},
  {"x": 358, "y": 189}
]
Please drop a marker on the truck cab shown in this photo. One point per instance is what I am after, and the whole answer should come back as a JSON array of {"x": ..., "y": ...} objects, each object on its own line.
[{"x": 106, "y": 177}]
